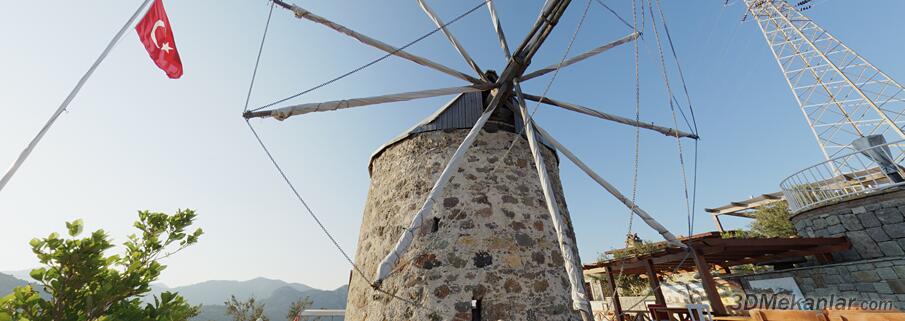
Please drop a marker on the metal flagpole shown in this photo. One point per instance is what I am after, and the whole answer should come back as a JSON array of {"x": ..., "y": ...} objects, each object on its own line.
[{"x": 34, "y": 142}]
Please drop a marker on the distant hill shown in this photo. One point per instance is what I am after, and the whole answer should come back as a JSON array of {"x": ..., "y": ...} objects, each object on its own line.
[
  {"x": 216, "y": 292},
  {"x": 20, "y": 274},
  {"x": 277, "y": 305},
  {"x": 8, "y": 283},
  {"x": 276, "y": 295}
]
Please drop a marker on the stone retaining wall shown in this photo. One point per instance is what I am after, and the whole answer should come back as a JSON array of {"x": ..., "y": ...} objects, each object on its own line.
[
  {"x": 873, "y": 269},
  {"x": 874, "y": 280},
  {"x": 875, "y": 225}
]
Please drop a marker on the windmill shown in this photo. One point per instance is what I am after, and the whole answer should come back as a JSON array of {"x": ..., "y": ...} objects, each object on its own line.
[
  {"x": 843, "y": 97},
  {"x": 438, "y": 191}
]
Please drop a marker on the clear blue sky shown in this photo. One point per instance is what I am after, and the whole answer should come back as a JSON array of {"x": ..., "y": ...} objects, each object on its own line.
[{"x": 135, "y": 140}]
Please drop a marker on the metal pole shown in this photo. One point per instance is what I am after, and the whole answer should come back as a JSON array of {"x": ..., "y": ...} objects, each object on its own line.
[{"x": 78, "y": 87}]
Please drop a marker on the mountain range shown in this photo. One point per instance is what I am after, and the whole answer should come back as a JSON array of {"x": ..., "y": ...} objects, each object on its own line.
[{"x": 276, "y": 295}]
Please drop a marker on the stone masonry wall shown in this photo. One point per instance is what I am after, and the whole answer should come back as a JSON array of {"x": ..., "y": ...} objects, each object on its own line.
[
  {"x": 874, "y": 280},
  {"x": 875, "y": 225},
  {"x": 494, "y": 240},
  {"x": 874, "y": 268}
]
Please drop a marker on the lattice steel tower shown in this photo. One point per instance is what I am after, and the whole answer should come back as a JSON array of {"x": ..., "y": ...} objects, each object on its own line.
[{"x": 842, "y": 95}]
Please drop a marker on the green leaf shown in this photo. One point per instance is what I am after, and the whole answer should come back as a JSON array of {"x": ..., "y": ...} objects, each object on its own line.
[
  {"x": 76, "y": 274},
  {"x": 38, "y": 274},
  {"x": 75, "y": 228}
]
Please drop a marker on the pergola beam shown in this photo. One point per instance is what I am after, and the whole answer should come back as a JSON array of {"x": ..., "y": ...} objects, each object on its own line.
[
  {"x": 452, "y": 39},
  {"x": 728, "y": 252},
  {"x": 305, "y": 14},
  {"x": 654, "y": 281},
  {"x": 286, "y": 112},
  {"x": 617, "y": 305},
  {"x": 708, "y": 283},
  {"x": 588, "y": 54},
  {"x": 619, "y": 119}
]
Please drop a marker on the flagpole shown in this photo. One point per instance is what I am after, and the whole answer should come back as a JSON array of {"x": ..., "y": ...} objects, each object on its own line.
[{"x": 34, "y": 142}]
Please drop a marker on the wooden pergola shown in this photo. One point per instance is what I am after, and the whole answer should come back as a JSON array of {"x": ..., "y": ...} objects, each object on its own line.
[
  {"x": 711, "y": 249},
  {"x": 744, "y": 208}
]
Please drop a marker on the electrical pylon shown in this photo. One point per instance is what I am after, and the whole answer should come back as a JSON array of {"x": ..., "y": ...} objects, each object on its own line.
[{"x": 842, "y": 96}]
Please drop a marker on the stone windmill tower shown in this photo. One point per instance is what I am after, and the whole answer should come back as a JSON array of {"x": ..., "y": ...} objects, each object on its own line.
[
  {"x": 489, "y": 246},
  {"x": 465, "y": 217}
]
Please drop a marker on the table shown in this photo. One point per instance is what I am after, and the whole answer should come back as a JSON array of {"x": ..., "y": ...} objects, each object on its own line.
[{"x": 675, "y": 313}]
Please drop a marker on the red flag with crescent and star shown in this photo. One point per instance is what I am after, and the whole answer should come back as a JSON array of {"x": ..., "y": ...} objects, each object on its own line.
[{"x": 156, "y": 34}]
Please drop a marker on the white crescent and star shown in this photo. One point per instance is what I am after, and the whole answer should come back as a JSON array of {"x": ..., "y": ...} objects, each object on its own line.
[{"x": 166, "y": 45}]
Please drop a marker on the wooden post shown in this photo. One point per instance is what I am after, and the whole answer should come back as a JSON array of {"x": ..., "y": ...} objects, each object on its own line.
[
  {"x": 616, "y": 304},
  {"x": 708, "y": 283},
  {"x": 716, "y": 221},
  {"x": 654, "y": 282}
]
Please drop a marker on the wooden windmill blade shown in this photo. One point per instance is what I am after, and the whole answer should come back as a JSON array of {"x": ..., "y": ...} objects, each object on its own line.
[
  {"x": 295, "y": 110},
  {"x": 515, "y": 67},
  {"x": 588, "y": 54},
  {"x": 618, "y": 119},
  {"x": 571, "y": 262},
  {"x": 499, "y": 29},
  {"x": 305, "y": 14},
  {"x": 648, "y": 219},
  {"x": 452, "y": 39},
  {"x": 501, "y": 95}
]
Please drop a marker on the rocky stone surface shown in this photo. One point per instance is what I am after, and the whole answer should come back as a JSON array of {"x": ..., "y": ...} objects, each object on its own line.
[
  {"x": 874, "y": 224},
  {"x": 492, "y": 240},
  {"x": 874, "y": 268},
  {"x": 877, "y": 280}
]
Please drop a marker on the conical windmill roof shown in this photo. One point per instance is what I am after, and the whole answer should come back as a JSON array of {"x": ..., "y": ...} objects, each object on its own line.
[{"x": 462, "y": 112}]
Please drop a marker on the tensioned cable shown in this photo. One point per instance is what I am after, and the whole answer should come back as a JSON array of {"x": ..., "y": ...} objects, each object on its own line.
[
  {"x": 674, "y": 116},
  {"x": 691, "y": 111},
  {"x": 672, "y": 100},
  {"x": 302, "y": 200},
  {"x": 321, "y": 224},
  {"x": 376, "y": 60},
  {"x": 254, "y": 75},
  {"x": 635, "y": 166},
  {"x": 712, "y": 28},
  {"x": 292, "y": 186},
  {"x": 637, "y": 161},
  {"x": 547, "y": 87},
  {"x": 675, "y": 56},
  {"x": 616, "y": 14}
]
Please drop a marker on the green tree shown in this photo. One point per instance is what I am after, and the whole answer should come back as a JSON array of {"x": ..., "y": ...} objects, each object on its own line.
[
  {"x": 772, "y": 220},
  {"x": 248, "y": 310},
  {"x": 83, "y": 283},
  {"x": 297, "y": 307}
]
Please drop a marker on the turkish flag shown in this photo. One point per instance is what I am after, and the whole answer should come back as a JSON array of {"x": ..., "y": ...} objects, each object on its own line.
[{"x": 156, "y": 34}]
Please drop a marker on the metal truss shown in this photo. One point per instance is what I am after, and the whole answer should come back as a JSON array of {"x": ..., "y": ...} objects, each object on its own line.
[{"x": 842, "y": 96}]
